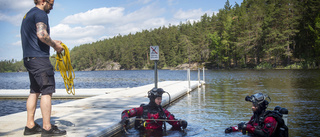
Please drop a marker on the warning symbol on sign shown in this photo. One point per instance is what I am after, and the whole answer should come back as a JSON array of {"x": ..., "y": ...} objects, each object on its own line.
[{"x": 154, "y": 52}]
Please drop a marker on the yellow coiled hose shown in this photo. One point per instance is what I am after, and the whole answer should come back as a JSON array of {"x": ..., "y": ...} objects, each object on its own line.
[{"x": 63, "y": 64}]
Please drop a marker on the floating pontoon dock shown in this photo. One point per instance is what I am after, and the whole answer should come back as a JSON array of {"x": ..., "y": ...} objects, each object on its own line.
[{"x": 98, "y": 114}]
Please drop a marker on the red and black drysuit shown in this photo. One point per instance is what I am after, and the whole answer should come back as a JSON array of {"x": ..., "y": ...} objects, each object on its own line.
[
  {"x": 266, "y": 128},
  {"x": 152, "y": 112}
]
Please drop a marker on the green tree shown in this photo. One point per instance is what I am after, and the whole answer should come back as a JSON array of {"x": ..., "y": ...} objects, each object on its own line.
[
  {"x": 215, "y": 48},
  {"x": 316, "y": 35}
]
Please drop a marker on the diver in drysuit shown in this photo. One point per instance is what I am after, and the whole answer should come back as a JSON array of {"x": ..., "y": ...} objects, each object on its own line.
[
  {"x": 263, "y": 123},
  {"x": 152, "y": 116}
]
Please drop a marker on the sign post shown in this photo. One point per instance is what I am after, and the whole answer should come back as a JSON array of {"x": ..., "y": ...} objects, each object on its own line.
[{"x": 154, "y": 55}]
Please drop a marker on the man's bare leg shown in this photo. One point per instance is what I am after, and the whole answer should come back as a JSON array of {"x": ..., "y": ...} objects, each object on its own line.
[
  {"x": 31, "y": 109},
  {"x": 45, "y": 105}
]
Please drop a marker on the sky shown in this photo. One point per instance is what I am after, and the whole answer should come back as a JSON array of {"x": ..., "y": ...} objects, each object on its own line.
[{"x": 77, "y": 22}]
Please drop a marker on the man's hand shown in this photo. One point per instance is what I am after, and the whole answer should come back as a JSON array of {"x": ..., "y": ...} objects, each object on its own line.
[{"x": 58, "y": 46}]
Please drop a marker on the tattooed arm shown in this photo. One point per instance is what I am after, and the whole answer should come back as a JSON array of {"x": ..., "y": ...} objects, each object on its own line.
[{"x": 45, "y": 38}]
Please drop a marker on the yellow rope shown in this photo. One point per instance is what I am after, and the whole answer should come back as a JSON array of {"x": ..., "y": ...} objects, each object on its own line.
[{"x": 63, "y": 64}]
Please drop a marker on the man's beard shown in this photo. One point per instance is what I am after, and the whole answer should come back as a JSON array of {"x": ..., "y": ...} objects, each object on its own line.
[{"x": 47, "y": 9}]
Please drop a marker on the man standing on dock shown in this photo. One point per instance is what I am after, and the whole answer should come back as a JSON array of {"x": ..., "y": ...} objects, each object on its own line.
[{"x": 36, "y": 43}]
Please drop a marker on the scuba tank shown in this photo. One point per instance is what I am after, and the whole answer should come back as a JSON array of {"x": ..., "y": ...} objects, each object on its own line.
[
  {"x": 284, "y": 113},
  {"x": 283, "y": 126}
]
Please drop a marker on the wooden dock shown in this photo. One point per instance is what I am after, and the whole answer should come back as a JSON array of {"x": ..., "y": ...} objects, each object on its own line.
[{"x": 97, "y": 114}]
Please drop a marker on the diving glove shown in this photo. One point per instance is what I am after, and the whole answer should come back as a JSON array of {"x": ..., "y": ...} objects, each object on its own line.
[
  {"x": 241, "y": 125},
  {"x": 228, "y": 130},
  {"x": 124, "y": 121}
]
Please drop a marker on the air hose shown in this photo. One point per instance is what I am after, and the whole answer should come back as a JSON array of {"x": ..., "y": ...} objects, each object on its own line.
[{"x": 63, "y": 64}]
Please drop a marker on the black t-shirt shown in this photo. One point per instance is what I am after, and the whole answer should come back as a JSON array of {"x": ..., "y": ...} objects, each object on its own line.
[{"x": 31, "y": 45}]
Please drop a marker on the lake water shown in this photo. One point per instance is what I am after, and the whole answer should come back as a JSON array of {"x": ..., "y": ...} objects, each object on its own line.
[
  {"x": 217, "y": 105},
  {"x": 86, "y": 79}
]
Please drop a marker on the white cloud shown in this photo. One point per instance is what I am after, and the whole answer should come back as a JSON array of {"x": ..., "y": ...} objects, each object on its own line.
[
  {"x": 102, "y": 23},
  {"x": 96, "y": 16},
  {"x": 127, "y": 28},
  {"x": 191, "y": 15},
  {"x": 18, "y": 43},
  {"x": 73, "y": 36},
  {"x": 144, "y": 1},
  {"x": 15, "y": 20},
  {"x": 144, "y": 13},
  {"x": 112, "y": 16},
  {"x": 70, "y": 43},
  {"x": 154, "y": 22},
  {"x": 65, "y": 31},
  {"x": 134, "y": 27},
  {"x": 12, "y": 11},
  {"x": 105, "y": 37},
  {"x": 214, "y": 12},
  {"x": 20, "y": 5}
]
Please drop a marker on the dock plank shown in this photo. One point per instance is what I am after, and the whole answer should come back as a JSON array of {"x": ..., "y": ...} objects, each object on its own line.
[{"x": 96, "y": 115}]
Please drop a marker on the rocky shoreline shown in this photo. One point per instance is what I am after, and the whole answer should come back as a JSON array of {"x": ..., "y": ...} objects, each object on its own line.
[{"x": 110, "y": 65}]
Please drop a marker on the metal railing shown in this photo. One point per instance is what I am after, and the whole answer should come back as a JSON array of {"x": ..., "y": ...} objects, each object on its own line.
[{"x": 199, "y": 79}]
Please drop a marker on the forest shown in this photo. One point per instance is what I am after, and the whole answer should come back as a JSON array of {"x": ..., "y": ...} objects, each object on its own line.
[{"x": 260, "y": 34}]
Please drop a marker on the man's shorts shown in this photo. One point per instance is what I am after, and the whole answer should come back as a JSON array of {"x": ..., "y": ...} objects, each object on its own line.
[{"x": 41, "y": 75}]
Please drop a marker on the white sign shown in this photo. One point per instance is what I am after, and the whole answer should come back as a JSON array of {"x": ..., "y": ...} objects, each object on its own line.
[{"x": 154, "y": 52}]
